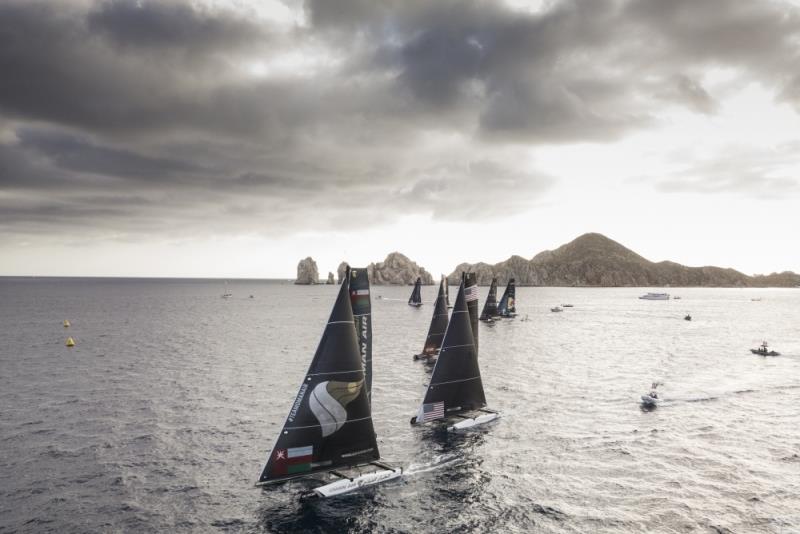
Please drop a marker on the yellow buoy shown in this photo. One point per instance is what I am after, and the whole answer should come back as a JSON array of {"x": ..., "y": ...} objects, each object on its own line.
[
  {"x": 70, "y": 342},
  {"x": 66, "y": 323}
]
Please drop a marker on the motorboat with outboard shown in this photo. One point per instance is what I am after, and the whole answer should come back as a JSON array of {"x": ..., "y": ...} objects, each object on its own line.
[
  {"x": 651, "y": 400},
  {"x": 763, "y": 350},
  {"x": 687, "y": 317},
  {"x": 557, "y": 309}
]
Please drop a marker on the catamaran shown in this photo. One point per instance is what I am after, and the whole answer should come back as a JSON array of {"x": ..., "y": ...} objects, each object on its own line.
[
  {"x": 490, "y": 306},
  {"x": 329, "y": 426},
  {"x": 416, "y": 295},
  {"x": 433, "y": 341},
  {"x": 508, "y": 305},
  {"x": 456, "y": 390}
]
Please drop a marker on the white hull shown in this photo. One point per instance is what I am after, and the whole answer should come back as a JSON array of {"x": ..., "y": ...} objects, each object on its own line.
[
  {"x": 655, "y": 296},
  {"x": 473, "y": 422},
  {"x": 347, "y": 485}
]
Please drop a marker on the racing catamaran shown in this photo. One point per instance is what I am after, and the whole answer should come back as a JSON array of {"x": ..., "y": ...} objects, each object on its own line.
[
  {"x": 437, "y": 328},
  {"x": 329, "y": 426},
  {"x": 456, "y": 390},
  {"x": 507, "y": 307},
  {"x": 416, "y": 295},
  {"x": 490, "y": 306}
]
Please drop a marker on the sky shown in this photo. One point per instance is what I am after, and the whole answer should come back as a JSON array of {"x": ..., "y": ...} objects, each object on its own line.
[{"x": 233, "y": 138}]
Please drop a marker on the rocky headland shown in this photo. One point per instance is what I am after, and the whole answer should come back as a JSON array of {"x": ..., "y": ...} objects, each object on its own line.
[
  {"x": 396, "y": 270},
  {"x": 593, "y": 260}
]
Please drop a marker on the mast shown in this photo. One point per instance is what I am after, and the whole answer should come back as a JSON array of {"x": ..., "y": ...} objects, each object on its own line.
[
  {"x": 416, "y": 295},
  {"x": 330, "y": 422},
  {"x": 507, "y": 306},
  {"x": 455, "y": 385},
  {"x": 438, "y": 324},
  {"x": 470, "y": 281},
  {"x": 362, "y": 315},
  {"x": 490, "y": 307}
]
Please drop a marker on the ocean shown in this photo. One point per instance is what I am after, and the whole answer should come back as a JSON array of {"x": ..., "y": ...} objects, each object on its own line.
[{"x": 162, "y": 415}]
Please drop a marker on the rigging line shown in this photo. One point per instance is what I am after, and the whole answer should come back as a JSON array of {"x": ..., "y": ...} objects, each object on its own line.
[
  {"x": 320, "y": 426},
  {"x": 341, "y": 322},
  {"x": 454, "y": 381},
  {"x": 457, "y": 346},
  {"x": 334, "y": 372}
]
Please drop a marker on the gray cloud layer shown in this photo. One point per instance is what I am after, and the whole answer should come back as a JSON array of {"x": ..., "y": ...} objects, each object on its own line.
[{"x": 130, "y": 117}]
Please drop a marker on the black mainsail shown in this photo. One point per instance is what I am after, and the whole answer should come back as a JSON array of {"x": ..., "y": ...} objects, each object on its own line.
[
  {"x": 455, "y": 385},
  {"x": 362, "y": 314},
  {"x": 507, "y": 306},
  {"x": 438, "y": 325},
  {"x": 490, "y": 306},
  {"x": 330, "y": 422},
  {"x": 416, "y": 295},
  {"x": 470, "y": 281}
]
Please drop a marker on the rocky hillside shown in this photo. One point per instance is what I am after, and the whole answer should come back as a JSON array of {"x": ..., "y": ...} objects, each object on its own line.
[
  {"x": 395, "y": 270},
  {"x": 595, "y": 260}
]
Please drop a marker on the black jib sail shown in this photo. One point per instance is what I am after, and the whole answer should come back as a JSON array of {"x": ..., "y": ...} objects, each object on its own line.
[
  {"x": 330, "y": 422},
  {"x": 438, "y": 326},
  {"x": 470, "y": 281},
  {"x": 490, "y": 306},
  {"x": 507, "y": 306},
  {"x": 362, "y": 314},
  {"x": 455, "y": 385},
  {"x": 416, "y": 296}
]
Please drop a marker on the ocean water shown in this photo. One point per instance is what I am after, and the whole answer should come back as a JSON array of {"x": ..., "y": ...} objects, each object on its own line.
[{"x": 160, "y": 418}]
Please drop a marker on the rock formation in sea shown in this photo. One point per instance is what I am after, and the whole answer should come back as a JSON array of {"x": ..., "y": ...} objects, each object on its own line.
[
  {"x": 340, "y": 271},
  {"x": 307, "y": 272},
  {"x": 330, "y": 281},
  {"x": 594, "y": 260},
  {"x": 397, "y": 269}
]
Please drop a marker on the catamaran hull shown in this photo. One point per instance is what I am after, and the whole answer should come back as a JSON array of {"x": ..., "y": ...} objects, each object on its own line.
[
  {"x": 472, "y": 422},
  {"x": 348, "y": 485}
]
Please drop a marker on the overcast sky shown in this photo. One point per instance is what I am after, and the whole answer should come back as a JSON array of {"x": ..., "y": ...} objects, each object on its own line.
[{"x": 232, "y": 138}]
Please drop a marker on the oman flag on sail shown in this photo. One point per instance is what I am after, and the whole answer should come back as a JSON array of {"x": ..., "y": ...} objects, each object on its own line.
[{"x": 293, "y": 460}]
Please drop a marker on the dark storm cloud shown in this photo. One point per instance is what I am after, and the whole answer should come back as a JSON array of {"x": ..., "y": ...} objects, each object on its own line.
[{"x": 193, "y": 117}]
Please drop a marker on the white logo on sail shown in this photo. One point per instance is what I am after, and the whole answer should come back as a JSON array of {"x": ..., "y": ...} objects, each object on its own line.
[{"x": 328, "y": 401}]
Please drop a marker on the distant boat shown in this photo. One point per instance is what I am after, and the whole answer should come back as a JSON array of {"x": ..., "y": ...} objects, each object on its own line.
[
  {"x": 456, "y": 389},
  {"x": 508, "y": 306},
  {"x": 416, "y": 295},
  {"x": 688, "y": 317},
  {"x": 227, "y": 294},
  {"x": 756, "y": 299},
  {"x": 490, "y": 306},
  {"x": 557, "y": 309},
  {"x": 566, "y": 305},
  {"x": 763, "y": 350},
  {"x": 330, "y": 425},
  {"x": 650, "y": 400},
  {"x": 655, "y": 296},
  {"x": 437, "y": 328},
  {"x": 676, "y": 297}
]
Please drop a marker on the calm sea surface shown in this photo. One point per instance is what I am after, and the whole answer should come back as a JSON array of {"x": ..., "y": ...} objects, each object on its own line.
[{"x": 161, "y": 417}]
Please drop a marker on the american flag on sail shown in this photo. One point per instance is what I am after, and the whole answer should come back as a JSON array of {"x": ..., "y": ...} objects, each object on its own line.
[
  {"x": 434, "y": 410},
  {"x": 471, "y": 293}
]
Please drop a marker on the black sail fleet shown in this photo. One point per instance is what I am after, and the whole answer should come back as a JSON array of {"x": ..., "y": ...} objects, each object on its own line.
[
  {"x": 416, "y": 294},
  {"x": 490, "y": 306},
  {"x": 330, "y": 423},
  {"x": 436, "y": 330},
  {"x": 456, "y": 387}
]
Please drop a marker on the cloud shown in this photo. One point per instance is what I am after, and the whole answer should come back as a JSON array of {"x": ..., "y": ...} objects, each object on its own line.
[{"x": 132, "y": 117}]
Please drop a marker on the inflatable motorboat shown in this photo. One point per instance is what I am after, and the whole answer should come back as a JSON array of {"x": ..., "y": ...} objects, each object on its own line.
[{"x": 763, "y": 350}]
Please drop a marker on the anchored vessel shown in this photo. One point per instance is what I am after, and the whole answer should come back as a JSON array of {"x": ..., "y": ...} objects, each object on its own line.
[
  {"x": 655, "y": 296},
  {"x": 416, "y": 295},
  {"x": 507, "y": 306},
  {"x": 763, "y": 350},
  {"x": 489, "y": 312},
  {"x": 436, "y": 330},
  {"x": 456, "y": 390},
  {"x": 330, "y": 424}
]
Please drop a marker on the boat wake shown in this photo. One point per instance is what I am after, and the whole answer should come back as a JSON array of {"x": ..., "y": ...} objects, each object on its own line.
[{"x": 439, "y": 461}]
